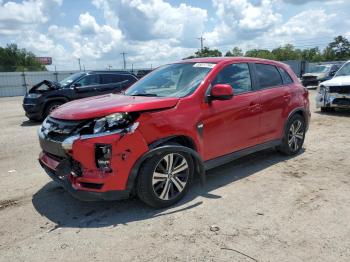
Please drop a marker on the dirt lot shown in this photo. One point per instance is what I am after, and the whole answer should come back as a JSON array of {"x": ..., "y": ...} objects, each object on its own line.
[{"x": 265, "y": 207}]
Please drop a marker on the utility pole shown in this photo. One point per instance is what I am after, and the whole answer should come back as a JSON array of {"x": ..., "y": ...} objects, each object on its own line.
[
  {"x": 202, "y": 40},
  {"x": 124, "y": 61},
  {"x": 79, "y": 64}
]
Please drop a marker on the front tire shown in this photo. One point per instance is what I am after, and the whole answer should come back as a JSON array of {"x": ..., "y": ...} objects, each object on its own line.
[
  {"x": 164, "y": 179},
  {"x": 51, "y": 107},
  {"x": 294, "y": 136}
]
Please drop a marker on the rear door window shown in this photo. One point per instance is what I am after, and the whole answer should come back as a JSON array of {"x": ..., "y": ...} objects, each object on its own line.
[
  {"x": 237, "y": 76},
  {"x": 268, "y": 76},
  {"x": 110, "y": 78}
]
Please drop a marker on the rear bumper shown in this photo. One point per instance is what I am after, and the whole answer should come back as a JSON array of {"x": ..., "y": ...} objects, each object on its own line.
[{"x": 54, "y": 171}]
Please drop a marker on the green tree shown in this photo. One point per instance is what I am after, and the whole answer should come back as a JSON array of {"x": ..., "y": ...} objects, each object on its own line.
[
  {"x": 206, "y": 52},
  {"x": 286, "y": 52},
  {"x": 312, "y": 55},
  {"x": 260, "y": 53},
  {"x": 14, "y": 59},
  {"x": 339, "y": 49},
  {"x": 234, "y": 52}
]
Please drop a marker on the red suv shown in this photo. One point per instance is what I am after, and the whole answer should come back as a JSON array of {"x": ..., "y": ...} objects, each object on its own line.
[{"x": 172, "y": 125}]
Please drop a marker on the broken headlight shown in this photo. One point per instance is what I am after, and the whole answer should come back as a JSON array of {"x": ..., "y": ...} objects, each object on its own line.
[
  {"x": 323, "y": 89},
  {"x": 33, "y": 95},
  {"x": 112, "y": 122}
]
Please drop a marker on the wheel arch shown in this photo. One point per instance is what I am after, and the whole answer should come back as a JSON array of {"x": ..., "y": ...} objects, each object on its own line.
[
  {"x": 297, "y": 111},
  {"x": 160, "y": 147},
  {"x": 52, "y": 100},
  {"x": 179, "y": 139}
]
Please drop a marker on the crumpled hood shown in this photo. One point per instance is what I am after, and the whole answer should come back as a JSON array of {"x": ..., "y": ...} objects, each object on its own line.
[
  {"x": 337, "y": 81},
  {"x": 100, "y": 106},
  {"x": 50, "y": 85}
]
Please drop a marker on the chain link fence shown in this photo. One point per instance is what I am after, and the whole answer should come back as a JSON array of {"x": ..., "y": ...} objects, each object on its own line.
[{"x": 18, "y": 83}]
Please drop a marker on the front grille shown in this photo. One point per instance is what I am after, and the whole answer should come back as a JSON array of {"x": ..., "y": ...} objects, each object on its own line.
[
  {"x": 341, "y": 102},
  {"x": 309, "y": 77},
  {"x": 54, "y": 132},
  {"x": 58, "y": 130},
  {"x": 339, "y": 89}
]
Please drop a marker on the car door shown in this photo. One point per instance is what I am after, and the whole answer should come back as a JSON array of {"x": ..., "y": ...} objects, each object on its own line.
[
  {"x": 231, "y": 125},
  {"x": 87, "y": 86},
  {"x": 275, "y": 96}
]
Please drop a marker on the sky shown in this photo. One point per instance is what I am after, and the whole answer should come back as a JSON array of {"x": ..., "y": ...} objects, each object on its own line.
[{"x": 156, "y": 32}]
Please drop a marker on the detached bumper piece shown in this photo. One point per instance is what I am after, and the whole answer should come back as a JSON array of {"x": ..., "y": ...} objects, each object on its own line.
[{"x": 65, "y": 173}]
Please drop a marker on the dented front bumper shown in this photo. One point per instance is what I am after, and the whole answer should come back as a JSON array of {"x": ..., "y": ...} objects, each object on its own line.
[
  {"x": 74, "y": 165},
  {"x": 334, "y": 100}
]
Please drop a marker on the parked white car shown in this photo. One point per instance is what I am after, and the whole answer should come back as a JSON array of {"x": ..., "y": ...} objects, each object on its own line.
[{"x": 335, "y": 93}]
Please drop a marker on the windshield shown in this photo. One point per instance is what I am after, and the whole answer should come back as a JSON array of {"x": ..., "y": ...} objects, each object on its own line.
[
  {"x": 174, "y": 80},
  {"x": 71, "y": 79},
  {"x": 344, "y": 71},
  {"x": 319, "y": 69}
]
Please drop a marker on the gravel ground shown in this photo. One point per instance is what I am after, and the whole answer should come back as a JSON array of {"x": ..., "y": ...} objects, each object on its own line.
[{"x": 263, "y": 207}]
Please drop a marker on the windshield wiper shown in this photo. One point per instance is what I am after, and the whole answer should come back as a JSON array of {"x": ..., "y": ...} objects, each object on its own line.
[{"x": 145, "y": 94}]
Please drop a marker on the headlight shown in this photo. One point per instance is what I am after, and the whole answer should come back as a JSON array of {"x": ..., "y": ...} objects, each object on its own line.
[
  {"x": 112, "y": 122},
  {"x": 323, "y": 89},
  {"x": 320, "y": 77},
  {"x": 33, "y": 95}
]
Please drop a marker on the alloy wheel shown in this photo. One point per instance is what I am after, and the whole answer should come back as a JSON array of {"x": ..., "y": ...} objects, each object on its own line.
[
  {"x": 170, "y": 176},
  {"x": 296, "y": 135}
]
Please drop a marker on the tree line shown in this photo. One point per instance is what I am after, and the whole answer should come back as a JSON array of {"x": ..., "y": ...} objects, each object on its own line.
[
  {"x": 337, "y": 50},
  {"x": 13, "y": 59}
]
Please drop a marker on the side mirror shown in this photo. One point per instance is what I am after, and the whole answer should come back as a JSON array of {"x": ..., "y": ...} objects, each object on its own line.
[
  {"x": 332, "y": 73},
  {"x": 76, "y": 86},
  {"x": 221, "y": 92}
]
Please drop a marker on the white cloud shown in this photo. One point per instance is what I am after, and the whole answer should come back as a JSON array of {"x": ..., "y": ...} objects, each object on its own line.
[
  {"x": 300, "y": 2},
  {"x": 157, "y": 32},
  {"x": 88, "y": 39},
  {"x": 242, "y": 18},
  {"x": 154, "y": 19},
  {"x": 15, "y": 17},
  {"x": 307, "y": 23}
]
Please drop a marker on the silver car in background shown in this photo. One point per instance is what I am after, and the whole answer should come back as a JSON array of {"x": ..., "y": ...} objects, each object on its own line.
[{"x": 335, "y": 93}]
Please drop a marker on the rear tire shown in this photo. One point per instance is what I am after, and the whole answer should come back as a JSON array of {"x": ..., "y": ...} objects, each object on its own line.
[
  {"x": 164, "y": 179},
  {"x": 51, "y": 107},
  {"x": 294, "y": 136},
  {"x": 327, "y": 109}
]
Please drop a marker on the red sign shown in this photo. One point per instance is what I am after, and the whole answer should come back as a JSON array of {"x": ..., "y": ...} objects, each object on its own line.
[{"x": 45, "y": 60}]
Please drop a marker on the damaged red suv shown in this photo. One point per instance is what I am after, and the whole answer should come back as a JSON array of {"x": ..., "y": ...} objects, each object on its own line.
[{"x": 171, "y": 126}]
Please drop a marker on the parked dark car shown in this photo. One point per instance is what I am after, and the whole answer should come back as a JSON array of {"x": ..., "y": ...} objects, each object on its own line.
[
  {"x": 46, "y": 96},
  {"x": 318, "y": 74}
]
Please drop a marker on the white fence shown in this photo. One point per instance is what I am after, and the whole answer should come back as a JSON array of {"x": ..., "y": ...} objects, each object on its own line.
[{"x": 17, "y": 83}]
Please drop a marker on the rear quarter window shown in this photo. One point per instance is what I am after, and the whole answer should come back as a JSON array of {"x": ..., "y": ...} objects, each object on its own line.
[
  {"x": 268, "y": 76},
  {"x": 285, "y": 76},
  {"x": 110, "y": 78}
]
